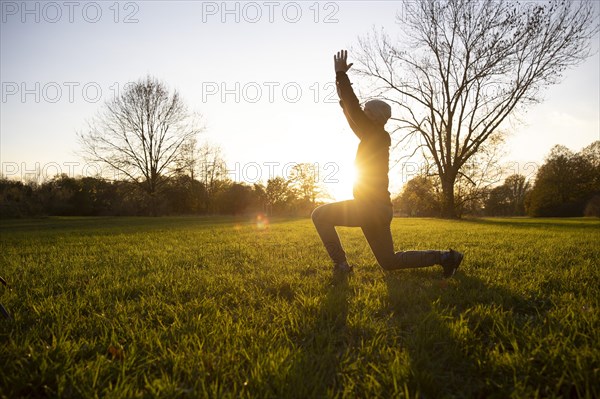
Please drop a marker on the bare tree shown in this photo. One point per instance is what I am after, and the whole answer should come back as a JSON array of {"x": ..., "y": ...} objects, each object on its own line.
[
  {"x": 461, "y": 67},
  {"x": 141, "y": 133},
  {"x": 188, "y": 162},
  {"x": 211, "y": 166}
]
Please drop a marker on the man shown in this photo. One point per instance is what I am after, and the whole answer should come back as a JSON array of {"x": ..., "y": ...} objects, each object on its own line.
[{"x": 371, "y": 208}]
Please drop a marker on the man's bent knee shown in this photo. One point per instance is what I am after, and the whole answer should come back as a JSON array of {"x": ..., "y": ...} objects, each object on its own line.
[
  {"x": 388, "y": 263},
  {"x": 316, "y": 214}
]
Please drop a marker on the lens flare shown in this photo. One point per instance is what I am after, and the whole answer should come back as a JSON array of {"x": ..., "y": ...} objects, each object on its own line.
[{"x": 262, "y": 222}]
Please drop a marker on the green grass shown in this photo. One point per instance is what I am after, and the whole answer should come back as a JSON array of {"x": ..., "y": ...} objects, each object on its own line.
[{"x": 196, "y": 307}]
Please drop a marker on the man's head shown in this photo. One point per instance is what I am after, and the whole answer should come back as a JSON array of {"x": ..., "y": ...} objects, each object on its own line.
[{"x": 378, "y": 111}]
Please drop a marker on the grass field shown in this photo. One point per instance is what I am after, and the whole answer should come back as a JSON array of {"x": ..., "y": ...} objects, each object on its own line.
[{"x": 228, "y": 308}]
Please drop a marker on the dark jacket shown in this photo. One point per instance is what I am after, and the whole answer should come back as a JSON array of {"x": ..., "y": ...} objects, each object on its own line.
[{"x": 373, "y": 154}]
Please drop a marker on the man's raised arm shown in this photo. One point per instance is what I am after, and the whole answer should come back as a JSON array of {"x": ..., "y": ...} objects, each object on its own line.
[{"x": 356, "y": 117}]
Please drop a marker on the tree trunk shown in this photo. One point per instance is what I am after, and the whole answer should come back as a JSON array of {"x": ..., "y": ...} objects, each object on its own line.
[{"x": 448, "y": 206}]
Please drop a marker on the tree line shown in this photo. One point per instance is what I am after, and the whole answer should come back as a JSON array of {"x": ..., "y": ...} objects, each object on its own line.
[
  {"x": 566, "y": 184},
  {"x": 182, "y": 194}
]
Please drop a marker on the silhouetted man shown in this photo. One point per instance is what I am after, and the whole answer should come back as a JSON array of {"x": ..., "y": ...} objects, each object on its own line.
[{"x": 371, "y": 208}]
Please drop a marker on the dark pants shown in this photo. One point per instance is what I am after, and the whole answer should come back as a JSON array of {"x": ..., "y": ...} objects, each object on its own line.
[{"x": 375, "y": 221}]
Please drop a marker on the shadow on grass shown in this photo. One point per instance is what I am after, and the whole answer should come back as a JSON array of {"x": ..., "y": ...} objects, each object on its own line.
[
  {"x": 322, "y": 343},
  {"x": 449, "y": 329}
]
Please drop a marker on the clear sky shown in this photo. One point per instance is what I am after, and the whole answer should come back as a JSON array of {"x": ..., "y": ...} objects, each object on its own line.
[{"x": 260, "y": 74}]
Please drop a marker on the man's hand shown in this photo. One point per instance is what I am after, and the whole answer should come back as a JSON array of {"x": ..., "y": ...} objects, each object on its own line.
[{"x": 340, "y": 61}]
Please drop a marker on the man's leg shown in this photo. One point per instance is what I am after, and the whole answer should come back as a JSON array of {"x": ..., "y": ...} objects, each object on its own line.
[
  {"x": 379, "y": 236},
  {"x": 326, "y": 217}
]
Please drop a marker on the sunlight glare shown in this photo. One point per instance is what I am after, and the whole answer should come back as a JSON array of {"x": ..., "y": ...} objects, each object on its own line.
[{"x": 340, "y": 185}]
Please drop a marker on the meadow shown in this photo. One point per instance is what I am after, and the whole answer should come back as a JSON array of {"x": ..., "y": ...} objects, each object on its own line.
[{"x": 245, "y": 308}]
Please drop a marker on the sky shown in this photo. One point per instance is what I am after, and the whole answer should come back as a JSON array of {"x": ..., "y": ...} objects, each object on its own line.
[{"x": 259, "y": 73}]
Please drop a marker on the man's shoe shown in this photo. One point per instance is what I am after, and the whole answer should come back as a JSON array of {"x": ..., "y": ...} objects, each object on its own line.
[
  {"x": 343, "y": 267},
  {"x": 450, "y": 262},
  {"x": 341, "y": 274}
]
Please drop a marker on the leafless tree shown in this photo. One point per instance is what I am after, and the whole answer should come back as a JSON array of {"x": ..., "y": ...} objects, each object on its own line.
[
  {"x": 211, "y": 166},
  {"x": 460, "y": 68},
  {"x": 141, "y": 133},
  {"x": 187, "y": 164}
]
